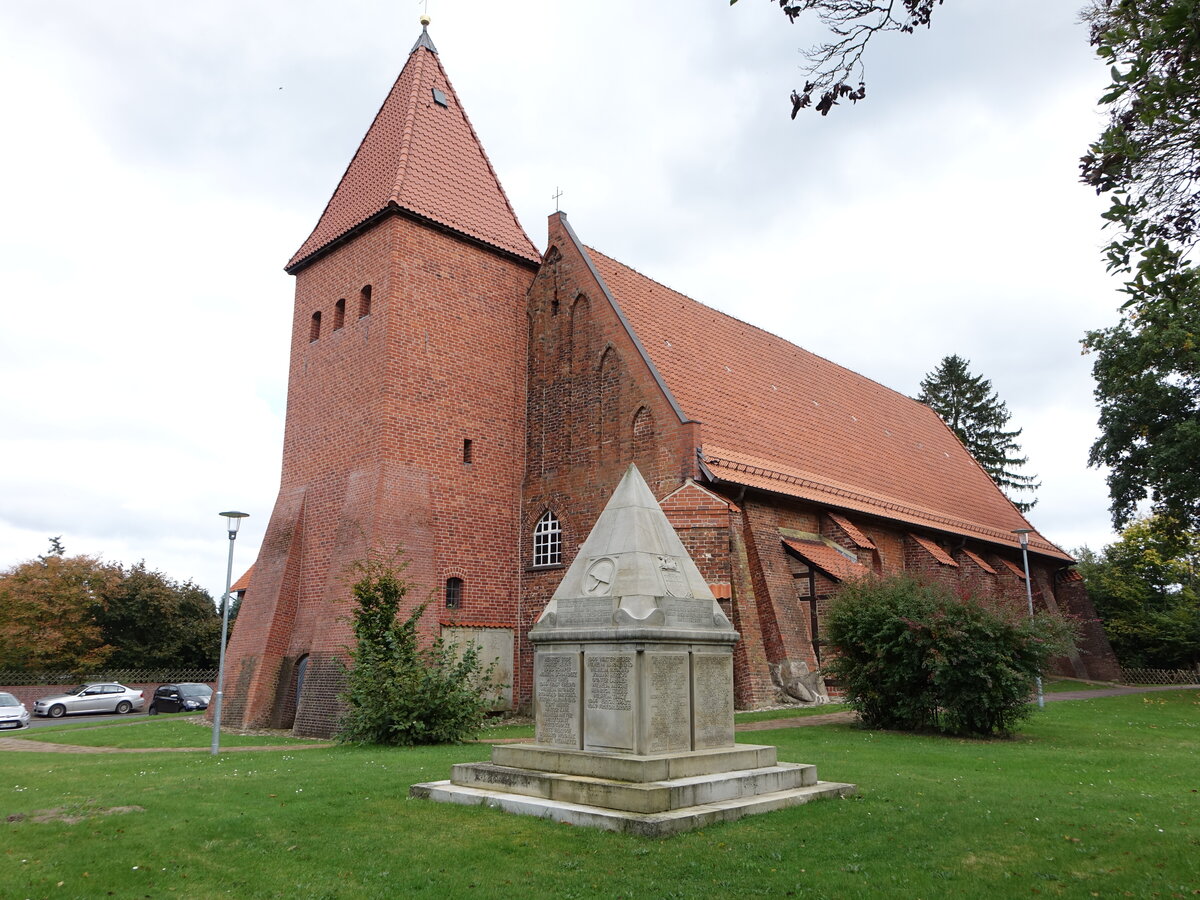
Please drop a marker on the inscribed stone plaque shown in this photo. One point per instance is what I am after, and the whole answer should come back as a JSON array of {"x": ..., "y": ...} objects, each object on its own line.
[
  {"x": 556, "y": 692},
  {"x": 685, "y": 612},
  {"x": 666, "y": 710},
  {"x": 585, "y": 613},
  {"x": 608, "y": 701},
  {"x": 712, "y": 700}
]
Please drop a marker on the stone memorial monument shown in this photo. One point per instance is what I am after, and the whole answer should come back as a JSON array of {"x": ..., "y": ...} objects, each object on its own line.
[{"x": 633, "y": 696}]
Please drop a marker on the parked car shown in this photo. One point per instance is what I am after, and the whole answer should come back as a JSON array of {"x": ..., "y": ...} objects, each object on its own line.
[
  {"x": 107, "y": 696},
  {"x": 186, "y": 696},
  {"x": 13, "y": 713}
]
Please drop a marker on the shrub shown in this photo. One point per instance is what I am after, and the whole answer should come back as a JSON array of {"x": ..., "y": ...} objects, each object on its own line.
[
  {"x": 914, "y": 656},
  {"x": 398, "y": 692}
]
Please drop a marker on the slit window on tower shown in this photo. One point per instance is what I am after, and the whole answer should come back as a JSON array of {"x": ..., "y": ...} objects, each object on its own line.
[
  {"x": 454, "y": 593},
  {"x": 339, "y": 314},
  {"x": 364, "y": 301},
  {"x": 547, "y": 541},
  {"x": 314, "y": 330},
  {"x": 468, "y": 451}
]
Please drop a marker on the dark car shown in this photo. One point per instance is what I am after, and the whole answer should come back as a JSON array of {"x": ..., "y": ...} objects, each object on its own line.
[{"x": 184, "y": 697}]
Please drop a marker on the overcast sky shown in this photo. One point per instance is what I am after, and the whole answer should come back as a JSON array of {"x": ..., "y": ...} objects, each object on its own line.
[{"x": 162, "y": 161}]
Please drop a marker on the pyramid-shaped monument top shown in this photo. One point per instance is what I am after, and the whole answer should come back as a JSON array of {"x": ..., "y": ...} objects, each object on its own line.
[
  {"x": 420, "y": 157},
  {"x": 633, "y": 571}
]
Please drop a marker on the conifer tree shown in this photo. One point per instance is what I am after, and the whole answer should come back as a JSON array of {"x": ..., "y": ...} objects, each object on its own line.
[{"x": 979, "y": 418}]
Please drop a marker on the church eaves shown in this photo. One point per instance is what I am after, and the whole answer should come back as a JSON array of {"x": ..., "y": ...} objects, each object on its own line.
[{"x": 420, "y": 157}]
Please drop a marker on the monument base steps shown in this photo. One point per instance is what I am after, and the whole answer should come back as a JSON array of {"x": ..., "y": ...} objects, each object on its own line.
[{"x": 666, "y": 795}]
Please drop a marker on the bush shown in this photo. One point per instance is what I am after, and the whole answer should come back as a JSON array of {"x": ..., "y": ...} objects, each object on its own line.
[
  {"x": 399, "y": 692},
  {"x": 914, "y": 656}
]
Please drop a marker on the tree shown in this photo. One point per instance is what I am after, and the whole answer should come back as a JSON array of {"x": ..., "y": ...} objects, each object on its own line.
[
  {"x": 969, "y": 406},
  {"x": 1147, "y": 373},
  {"x": 1146, "y": 588},
  {"x": 152, "y": 621},
  {"x": 398, "y": 691},
  {"x": 48, "y": 609},
  {"x": 913, "y": 656},
  {"x": 835, "y": 68},
  {"x": 1148, "y": 156}
]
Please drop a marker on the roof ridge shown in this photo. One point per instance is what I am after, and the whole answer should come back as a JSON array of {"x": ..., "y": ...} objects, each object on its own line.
[{"x": 410, "y": 117}]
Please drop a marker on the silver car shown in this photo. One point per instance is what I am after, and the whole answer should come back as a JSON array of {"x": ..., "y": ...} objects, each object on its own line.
[
  {"x": 104, "y": 696},
  {"x": 13, "y": 713}
]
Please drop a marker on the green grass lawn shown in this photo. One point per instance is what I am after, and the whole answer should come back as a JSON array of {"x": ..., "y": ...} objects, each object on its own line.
[
  {"x": 185, "y": 730},
  {"x": 1095, "y": 798}
]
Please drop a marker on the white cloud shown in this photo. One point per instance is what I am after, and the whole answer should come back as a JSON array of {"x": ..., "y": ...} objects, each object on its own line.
[{"x": 163, "y": 162}]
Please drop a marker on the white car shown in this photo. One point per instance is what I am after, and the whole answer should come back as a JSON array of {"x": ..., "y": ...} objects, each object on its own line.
[
  {"x": 13, "y": 713},
  {"x": 105, "y": 696}
]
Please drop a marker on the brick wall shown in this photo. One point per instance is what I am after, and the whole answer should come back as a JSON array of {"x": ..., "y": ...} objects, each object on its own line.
[{"x": 378, "y": 412}]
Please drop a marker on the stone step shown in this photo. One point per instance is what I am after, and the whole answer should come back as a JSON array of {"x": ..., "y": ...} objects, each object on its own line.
[
  {"x": 646, "y": 824},
  {"x": 643, "y": 797},
  {"x": 628, "y": 767}
]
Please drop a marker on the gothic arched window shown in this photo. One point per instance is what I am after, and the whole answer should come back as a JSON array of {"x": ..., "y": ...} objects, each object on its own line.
[{"x": 547, "y": 541}]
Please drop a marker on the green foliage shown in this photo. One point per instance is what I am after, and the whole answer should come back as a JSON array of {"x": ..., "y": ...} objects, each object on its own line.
[
  {"x": 1148, "y": 157},
  {"x": 979, "y": 418},
  {"x": 76, "y": 613},
  {"x": 1148, "y": 161},
  {"x": 1146, "y": 589},
  {"x": 152, "y": 621},
  {"x": 48, "y": 612},
  {"x": 913, "y": 656},
  {"x": 398, "y": 691},
  {"x": 1147, "y": 373}
]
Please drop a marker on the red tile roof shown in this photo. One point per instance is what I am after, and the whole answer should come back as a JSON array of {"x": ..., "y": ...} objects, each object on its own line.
[
  {"x": 979, "y": 561},
  {"x": 776, "y": 417},
  {"x": 828, "y": 560},
  {"x": 242, "y": 583},
  {"x": 721, "y": 590},
  {"x": 1019, "y": 571},
  {"x": 425, "y": 158},
  {"x": 934, "y": 550},
  {"x": 852, "y": 532}
]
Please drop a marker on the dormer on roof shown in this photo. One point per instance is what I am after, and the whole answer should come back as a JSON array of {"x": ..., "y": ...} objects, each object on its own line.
[{"x": 420, "y": 158}]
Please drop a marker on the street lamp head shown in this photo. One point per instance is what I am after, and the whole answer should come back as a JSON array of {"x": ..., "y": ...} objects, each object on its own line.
[
  {"x": 1023, "y": 535},
  {"x": 234, "y": 521}
]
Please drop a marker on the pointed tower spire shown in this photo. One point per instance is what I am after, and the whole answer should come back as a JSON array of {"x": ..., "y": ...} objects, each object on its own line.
[{"x": 420, "y": 158}]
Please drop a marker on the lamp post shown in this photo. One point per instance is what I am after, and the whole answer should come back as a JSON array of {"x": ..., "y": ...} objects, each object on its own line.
[
  {"x": 1023, "y": 536},
  {"x": 233, "y": 521}
]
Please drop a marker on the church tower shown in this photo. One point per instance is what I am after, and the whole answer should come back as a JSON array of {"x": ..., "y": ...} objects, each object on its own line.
[{"x": 406, "y": 407}]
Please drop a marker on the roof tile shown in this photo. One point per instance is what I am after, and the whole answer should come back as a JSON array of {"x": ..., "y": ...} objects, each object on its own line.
[
  {"x": 828, "y": 560},
  {"x": 934, "y": 550},
  {"x": 834, "y": 437},
  {"x": 425, "y": 158}
]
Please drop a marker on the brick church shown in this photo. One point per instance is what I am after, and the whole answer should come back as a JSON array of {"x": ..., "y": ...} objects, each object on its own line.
[{"x": 457, "y": 393}]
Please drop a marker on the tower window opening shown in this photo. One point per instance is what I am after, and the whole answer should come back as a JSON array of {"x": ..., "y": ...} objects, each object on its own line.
[
  {"x": 454, "y": 593},
  {"x": 547, "y": 541},
  {"x": 339, "y": 314},
  {"x": 468, "y": 451},
  {"x": 364, "y": 301},
  {"x": 314, "y": 330}
]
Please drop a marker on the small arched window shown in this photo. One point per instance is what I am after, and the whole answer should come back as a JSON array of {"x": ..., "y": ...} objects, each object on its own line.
[
  {"x": 547, "y": 541},
  {"x": 314, "y": 330},
  {"x": 339, "y": 314},
  {"x": 454, "y": 593},
  {"x": 364, "y": 301}
]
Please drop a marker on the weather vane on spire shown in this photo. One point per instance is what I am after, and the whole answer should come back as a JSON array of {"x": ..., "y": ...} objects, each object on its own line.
[{"x": 424, "y": 15}]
